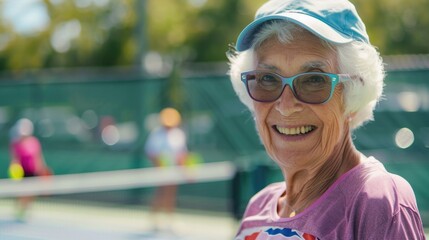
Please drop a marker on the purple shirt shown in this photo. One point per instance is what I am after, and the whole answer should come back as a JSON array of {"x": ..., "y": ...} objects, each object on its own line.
[{"x": 367, "y": 202}]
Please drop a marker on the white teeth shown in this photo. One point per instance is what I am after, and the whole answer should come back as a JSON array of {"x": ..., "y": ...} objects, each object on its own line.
[{"x": 295, "y": 131}]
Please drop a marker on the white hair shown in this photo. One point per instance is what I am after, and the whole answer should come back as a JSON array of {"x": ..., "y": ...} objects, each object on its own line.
[{"x": 356, "y": 58}]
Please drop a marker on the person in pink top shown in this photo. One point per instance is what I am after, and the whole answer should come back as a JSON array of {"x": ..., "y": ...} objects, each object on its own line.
[
  {"x": 309, "y": 75},
  {"x": 26, "y": 150}
]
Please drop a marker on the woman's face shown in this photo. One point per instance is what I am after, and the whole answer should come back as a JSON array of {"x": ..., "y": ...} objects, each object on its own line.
[{"x": 321, "y": 126}]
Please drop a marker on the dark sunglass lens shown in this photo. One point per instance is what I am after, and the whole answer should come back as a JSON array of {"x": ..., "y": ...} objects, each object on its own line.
[
  {"x": 313, "y": 88},
  {"x": 264, "y": 86}
]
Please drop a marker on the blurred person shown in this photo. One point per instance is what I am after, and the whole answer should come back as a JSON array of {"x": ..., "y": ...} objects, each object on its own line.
[
  {"x": 309, "y": 75},
  {"x": 25, "y": 152},
  {"x": 166, "y": 147}
]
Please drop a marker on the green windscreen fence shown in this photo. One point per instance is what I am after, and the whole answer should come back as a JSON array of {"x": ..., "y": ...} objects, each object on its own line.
[{"x": 100, "y": 123}]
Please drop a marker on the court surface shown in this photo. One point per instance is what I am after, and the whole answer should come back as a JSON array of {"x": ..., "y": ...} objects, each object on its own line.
[{"x": 54, "y": 220}]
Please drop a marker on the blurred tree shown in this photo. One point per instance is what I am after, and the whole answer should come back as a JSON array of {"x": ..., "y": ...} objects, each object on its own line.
[
  {"x": 80, "y": 33},
  {"x": 396, "y": 26},
  {"x": 200, "y": 30},
  {"x": 89, "y": 33}
]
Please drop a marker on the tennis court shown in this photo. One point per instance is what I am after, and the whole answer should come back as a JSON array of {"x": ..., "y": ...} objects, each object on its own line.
[
  {"x": 52, "y": 217},
  {"x": 58, "y": 219}
]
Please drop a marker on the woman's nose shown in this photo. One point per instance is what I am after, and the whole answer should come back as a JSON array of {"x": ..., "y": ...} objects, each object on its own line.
[{"x": 287, "y": 104}]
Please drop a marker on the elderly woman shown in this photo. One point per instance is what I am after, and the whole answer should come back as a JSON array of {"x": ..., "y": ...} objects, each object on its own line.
[{"x": 309, "y": 75}]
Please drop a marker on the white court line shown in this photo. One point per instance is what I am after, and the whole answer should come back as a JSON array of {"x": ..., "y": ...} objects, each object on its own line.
[{"x": 116, "y": 180}]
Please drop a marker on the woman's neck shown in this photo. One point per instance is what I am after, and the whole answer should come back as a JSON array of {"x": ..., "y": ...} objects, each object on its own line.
[{"x": 304, "y": 186}]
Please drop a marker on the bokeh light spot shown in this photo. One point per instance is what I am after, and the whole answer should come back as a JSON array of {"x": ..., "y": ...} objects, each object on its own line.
[
  {"x": 110, "y": 135},
  {"x": 404, "y": 138}
]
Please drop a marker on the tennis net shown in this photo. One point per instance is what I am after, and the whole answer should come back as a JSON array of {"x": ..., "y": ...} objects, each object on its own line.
[{"x": 116, "y": 180}]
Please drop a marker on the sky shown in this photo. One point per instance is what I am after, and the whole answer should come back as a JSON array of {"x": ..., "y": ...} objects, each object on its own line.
[{"x": 26, "y": 16}]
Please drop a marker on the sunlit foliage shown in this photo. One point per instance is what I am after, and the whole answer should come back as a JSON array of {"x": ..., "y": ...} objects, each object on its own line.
[{"x": 94, "y": 33}]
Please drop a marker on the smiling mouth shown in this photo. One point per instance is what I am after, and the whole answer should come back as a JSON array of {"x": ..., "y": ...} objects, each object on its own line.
[{"x": 295, "y": 131}]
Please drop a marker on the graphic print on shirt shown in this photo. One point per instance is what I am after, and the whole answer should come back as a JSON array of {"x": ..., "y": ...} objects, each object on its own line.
[{"x": 273, "y": 233}]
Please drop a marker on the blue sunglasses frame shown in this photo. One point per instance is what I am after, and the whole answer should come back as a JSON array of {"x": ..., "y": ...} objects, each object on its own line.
[{"x": 335, "y": 78}]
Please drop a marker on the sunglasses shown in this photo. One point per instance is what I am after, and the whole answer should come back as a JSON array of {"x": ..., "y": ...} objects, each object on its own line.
[{"x": 309, "y": 87}]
